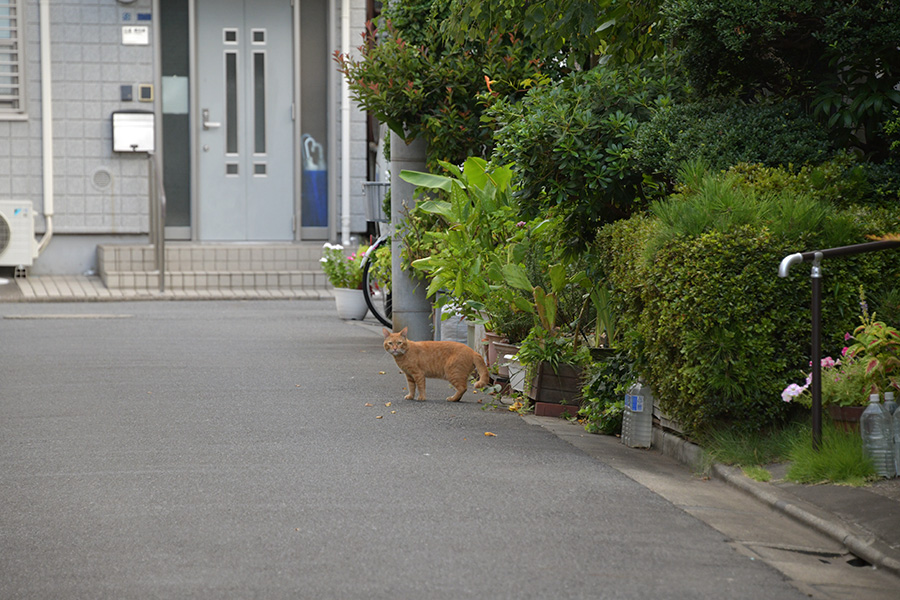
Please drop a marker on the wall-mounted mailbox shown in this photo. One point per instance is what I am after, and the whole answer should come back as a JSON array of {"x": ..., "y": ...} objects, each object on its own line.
[{"x": 132, "y": 131}]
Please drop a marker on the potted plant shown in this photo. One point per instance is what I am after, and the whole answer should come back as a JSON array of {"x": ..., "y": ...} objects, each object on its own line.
[
  {"x": 345, "y": 274},
  {"x": 870, "y": 365},
  {"x": 554, "y": 368}
]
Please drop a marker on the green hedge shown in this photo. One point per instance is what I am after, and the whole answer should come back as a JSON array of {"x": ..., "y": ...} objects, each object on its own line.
[
  {"x": 725, "y": 132},
  {"x": 714, "y": 329}
]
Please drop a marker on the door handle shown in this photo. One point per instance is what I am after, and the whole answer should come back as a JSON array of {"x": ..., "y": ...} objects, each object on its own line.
[{"x": 207, "y": 124}]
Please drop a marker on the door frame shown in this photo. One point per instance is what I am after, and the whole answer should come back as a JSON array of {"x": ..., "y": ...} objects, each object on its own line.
[{"x": 195, "y": 121}]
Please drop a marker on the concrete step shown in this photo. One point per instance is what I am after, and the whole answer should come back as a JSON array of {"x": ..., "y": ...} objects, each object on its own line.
[
  {"x": 221, "y": 280},
  {"x": 192, "y": 266}
]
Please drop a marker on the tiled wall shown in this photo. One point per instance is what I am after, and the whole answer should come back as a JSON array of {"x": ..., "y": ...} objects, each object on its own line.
[{"x": 96, "y": 191}]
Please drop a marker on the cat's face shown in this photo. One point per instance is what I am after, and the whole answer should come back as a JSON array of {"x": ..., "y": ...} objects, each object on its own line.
[{"x": 395, "y": 344}]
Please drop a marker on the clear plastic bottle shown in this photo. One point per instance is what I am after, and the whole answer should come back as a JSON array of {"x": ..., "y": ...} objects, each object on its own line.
[
  {"x": 895, "y": 426},
  {"x": 889, "y": 402},
  {"x": 637, "y": 420},
  {"x": 877, "y": 437}
]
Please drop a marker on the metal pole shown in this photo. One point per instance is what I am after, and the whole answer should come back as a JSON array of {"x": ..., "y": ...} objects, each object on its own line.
[{"x": 816, "y": 353}]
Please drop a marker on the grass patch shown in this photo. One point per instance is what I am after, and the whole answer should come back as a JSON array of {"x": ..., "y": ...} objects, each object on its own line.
[
  {"x": 757, "y": 473},
  {"x": 840, "y": 459},
  {"x": 751, "y": 448}
]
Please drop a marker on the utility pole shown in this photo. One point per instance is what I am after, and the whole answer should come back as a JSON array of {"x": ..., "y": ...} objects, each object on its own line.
[{"x": 410, "y": 306}]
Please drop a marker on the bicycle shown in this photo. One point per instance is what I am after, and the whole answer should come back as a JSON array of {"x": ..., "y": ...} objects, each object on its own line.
[{"x": 376, "y": 283}]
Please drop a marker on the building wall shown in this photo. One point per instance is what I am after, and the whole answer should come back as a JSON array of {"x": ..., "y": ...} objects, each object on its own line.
[
  {"x": 99, "y": 193},
  {"x": 95, "y": 190}
]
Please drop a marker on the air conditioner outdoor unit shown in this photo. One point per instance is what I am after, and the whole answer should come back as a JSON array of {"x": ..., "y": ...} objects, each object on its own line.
[{"x": 17, "y": 243}]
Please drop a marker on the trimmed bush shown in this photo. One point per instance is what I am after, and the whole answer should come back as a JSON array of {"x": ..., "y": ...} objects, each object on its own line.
[
  {"x": 841, "y": 180},
  {"x": 724, "y": 132},
  {"x": 714, "y": 329}
]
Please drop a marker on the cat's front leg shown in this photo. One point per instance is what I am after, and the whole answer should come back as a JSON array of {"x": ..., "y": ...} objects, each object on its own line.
[
  {"x": 420, "y": 382},
  {"x": 411, "y": 385}
]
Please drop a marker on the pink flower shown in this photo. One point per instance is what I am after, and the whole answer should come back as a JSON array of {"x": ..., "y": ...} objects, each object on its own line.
[
  {"x": 792, "y": 391},
  {"x": 844, "y": 351},
  {"x": 847, "y": 337},
  {"x": 827, "y": 362}
]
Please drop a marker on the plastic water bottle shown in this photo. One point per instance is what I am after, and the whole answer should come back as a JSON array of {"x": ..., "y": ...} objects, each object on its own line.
[
  {"x": 889, "y": 402},
  {"x": 895, "y": 426},
  {"x": 637, "y": 420},
  {"x": 877, "y": 437}
]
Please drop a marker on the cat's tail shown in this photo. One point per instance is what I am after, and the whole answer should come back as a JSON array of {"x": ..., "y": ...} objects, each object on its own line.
[{"x": 484, "y": 378}]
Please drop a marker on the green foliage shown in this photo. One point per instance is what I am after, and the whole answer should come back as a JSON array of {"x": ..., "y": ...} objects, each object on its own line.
[
  {"x": 719, "y": 203},
  {"x": 541, "y": 346},
  {"x": 724, "y": 132},
  {"x": 582, "y": 31},
  {"x": 712, "y": 327},
  {"x": 603, "y": 394},
  {"x": 838, "y": 57},
  {"x": 420, "y": 86},
  {"x": 841, "y": 180},
  {"x": 570, "y": 144},
  {"x": 479, "y": 218},
  {"x": 877, "y": 347}
]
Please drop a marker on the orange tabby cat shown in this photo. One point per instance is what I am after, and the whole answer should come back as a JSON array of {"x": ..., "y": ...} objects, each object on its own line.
[{"x": 440, "y": 360}]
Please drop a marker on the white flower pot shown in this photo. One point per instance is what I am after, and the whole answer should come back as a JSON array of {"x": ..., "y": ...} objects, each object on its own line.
[
  {"x": 351, "y": 305},
  {"x": 516, "y": 373}
]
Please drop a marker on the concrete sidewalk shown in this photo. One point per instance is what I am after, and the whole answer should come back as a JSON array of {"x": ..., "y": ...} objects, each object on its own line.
[{"x": 865, "y": 520}]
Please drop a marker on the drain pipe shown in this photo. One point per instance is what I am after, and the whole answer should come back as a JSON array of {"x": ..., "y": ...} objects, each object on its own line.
[
  {"x": 345, "y": 128},
  {"x": 46, "y": 127}
]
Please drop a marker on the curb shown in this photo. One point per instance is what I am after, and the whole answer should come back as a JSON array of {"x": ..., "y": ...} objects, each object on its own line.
[{"x": 860, "y": 543}]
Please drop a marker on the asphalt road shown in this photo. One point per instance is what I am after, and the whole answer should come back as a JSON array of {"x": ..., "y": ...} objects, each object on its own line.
[{"x": 226, "y": 450}]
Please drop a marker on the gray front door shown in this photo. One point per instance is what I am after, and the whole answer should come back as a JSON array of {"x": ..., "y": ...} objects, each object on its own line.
[{"x": 245, "y": 139}]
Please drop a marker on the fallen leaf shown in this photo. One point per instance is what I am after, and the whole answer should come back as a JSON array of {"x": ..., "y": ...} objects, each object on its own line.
[
  {"x": 379, "y": 417},
  {"x": 489, "y": 434},
  {"x": 393, "y": 412},
  {"x": 369, "y": 404},
  {"x": 387, "y": 403},
  {"x": 381, "y": 372}
]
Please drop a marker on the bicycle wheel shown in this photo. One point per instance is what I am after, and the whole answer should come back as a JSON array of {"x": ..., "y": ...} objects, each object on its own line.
[{"x": 376, "y": 291}]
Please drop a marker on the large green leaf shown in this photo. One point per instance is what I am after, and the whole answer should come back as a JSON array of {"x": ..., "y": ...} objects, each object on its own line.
[
  {"x": 475, "y": 171},
  {"x": 439, "y": 207},
  {"x": 427, "y": 180},
  {"x": 557, "y": 277},
  {"x": 517, "y": 277}
]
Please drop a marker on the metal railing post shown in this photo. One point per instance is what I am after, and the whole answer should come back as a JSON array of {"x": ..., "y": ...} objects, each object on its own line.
[{"x": 815, "y": 277}]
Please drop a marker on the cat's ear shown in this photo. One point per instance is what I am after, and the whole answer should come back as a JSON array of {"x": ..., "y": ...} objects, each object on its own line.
[
  {"x": 403, "y": 332},
  {"x": 385, "y": 331}
]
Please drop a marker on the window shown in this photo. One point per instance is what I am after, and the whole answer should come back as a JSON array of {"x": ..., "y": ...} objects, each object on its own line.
[{"x": 12, "y": 81}]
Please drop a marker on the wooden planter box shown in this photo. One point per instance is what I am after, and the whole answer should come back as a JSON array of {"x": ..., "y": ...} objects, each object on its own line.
[
  {"x": 846, "y": 418},
  {"x": 554, "y": 392}
]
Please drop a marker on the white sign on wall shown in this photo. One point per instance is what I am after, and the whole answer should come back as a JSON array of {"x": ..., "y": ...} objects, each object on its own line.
[{"x": 135, "y": 35}]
